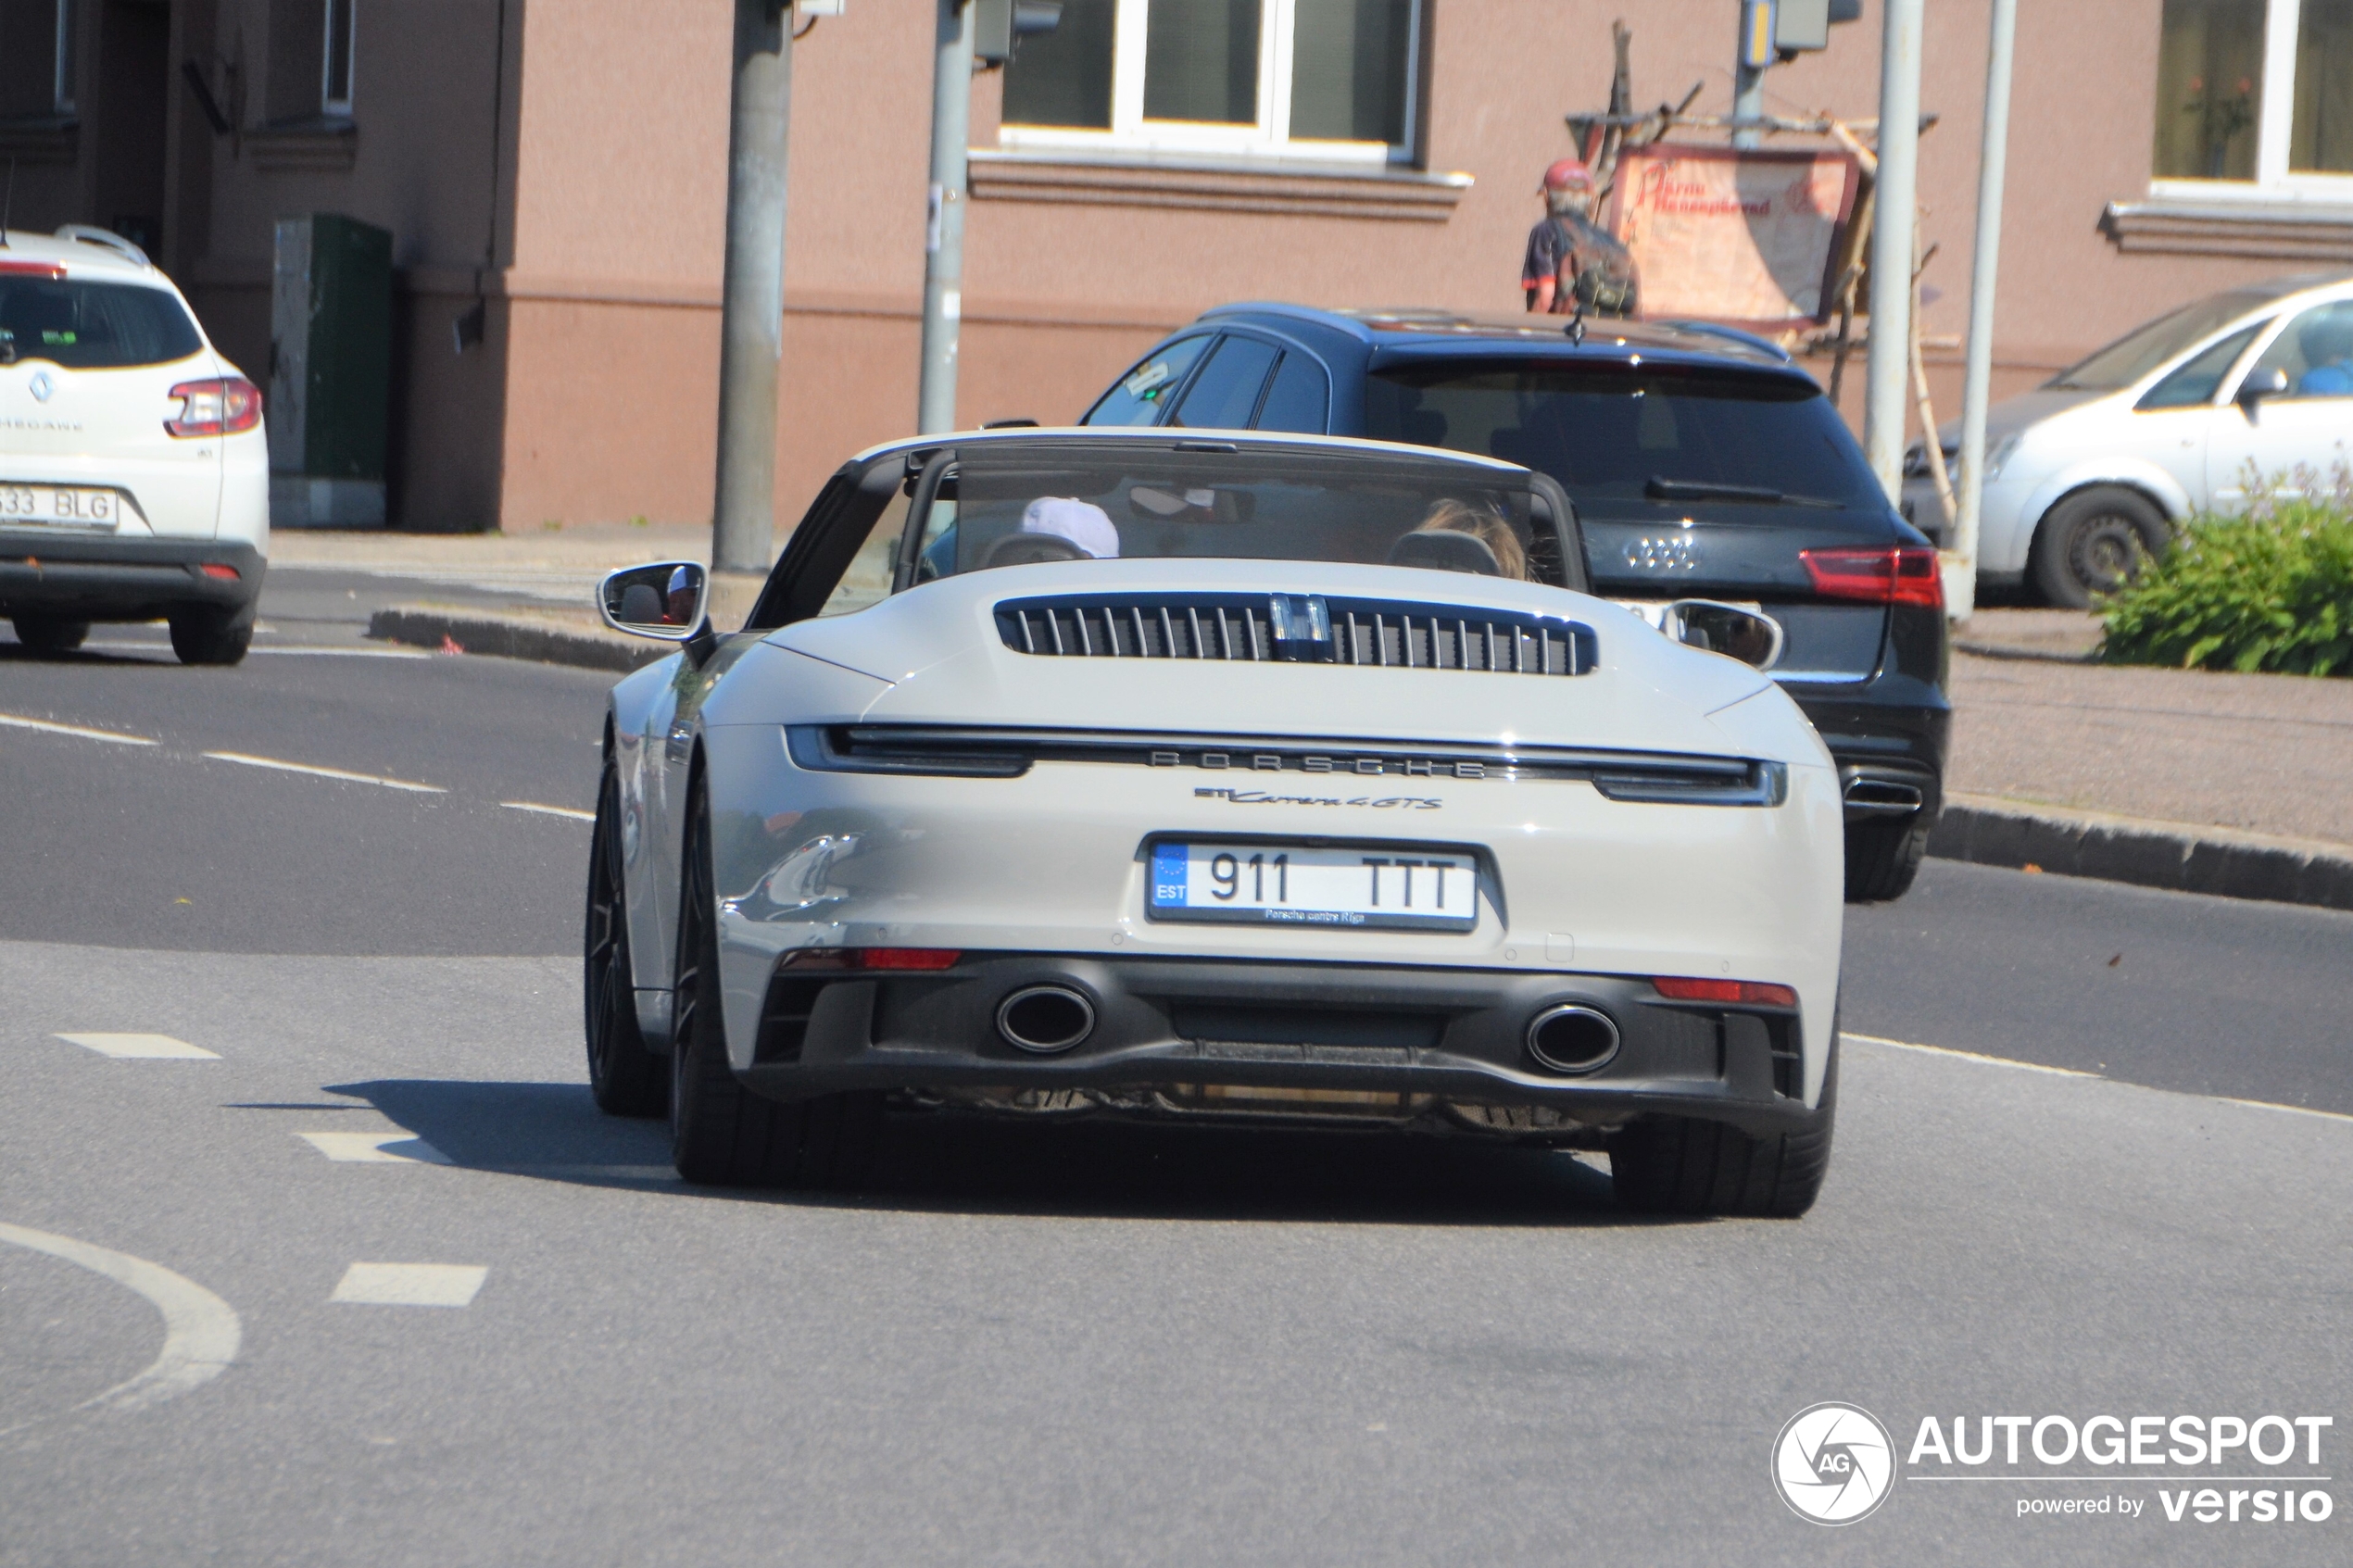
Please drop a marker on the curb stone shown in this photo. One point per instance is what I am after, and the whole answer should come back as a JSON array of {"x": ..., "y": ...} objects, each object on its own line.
[
  {"x": 1985, "y": 830},
  {"x": 2221, "y": 861},
  {"x": 513, "y": 637}
]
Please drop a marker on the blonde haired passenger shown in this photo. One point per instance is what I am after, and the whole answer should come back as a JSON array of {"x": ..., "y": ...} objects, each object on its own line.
[{"x": 1449, "y": 516}]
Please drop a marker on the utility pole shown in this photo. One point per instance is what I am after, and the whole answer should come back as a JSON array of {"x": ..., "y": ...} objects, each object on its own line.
[
  {"x": 1896, "y": 208},
  {"x": 1749, "y": 63},
  {"x": 951, "y": 92},
  {"x": 1960, "y": 557},
  {"x": 751, "y": 325}
]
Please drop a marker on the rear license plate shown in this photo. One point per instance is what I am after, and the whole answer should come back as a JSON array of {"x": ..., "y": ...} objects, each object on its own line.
[
  {"x": 1385, "y": 885},
  {"x": 60, "y": 506}
]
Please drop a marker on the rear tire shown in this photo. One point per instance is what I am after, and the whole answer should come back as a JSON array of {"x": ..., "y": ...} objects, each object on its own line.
[
  {"x": 625, "y": 1077},
  {"x": 2094, "y": 542},
  {"x": 213, "y": 637},
  {"x": 1680, "y": 1165},
  {"x": 720, "y": 1133},
  {"x": 1884, "y": 858},
  {"x": 49, "y": 633}
]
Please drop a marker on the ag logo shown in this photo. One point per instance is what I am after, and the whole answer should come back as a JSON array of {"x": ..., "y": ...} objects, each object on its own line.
[{"x": 1833, "y": 1463}]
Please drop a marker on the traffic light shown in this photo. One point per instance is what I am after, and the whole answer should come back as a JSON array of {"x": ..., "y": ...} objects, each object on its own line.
[{"x": 998, "y": 26}]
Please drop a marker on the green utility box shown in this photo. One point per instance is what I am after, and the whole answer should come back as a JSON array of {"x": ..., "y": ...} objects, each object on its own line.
[{"x": 330, "y": 373}]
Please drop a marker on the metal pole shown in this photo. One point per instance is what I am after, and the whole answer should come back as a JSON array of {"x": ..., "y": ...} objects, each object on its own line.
[
  {"x": 1894, "y": 210},
  {"x": 1960, "y": 555},
  {"x": 1748, "y": 83},
  {"x": 951, "y": 92},
  {"x": 751, "y": 324}
]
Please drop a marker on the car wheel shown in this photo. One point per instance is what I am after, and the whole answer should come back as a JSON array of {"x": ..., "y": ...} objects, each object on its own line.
[
  {"x": 213, "y": 637},
  {"x": 2093, "y": 542},
  {"x": 1884, "y": 858},
  {"x": 50, "y": 633},
  {"x": 1680, "y": 1165},
  {"x": 627, "y": 1078},
  {"x": 720, "y": 1133}
]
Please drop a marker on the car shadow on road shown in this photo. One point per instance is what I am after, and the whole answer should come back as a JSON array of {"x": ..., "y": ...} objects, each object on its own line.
[{"x": 945, "y": 1163}]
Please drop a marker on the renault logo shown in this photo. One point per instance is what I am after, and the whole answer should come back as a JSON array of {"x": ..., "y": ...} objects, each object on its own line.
[{"x": 41, "y": 386}]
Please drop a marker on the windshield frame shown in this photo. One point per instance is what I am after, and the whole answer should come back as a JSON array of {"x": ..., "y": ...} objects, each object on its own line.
[
  {"x": 844, "y": 514},
  {"x": 2251, "y": 302}
]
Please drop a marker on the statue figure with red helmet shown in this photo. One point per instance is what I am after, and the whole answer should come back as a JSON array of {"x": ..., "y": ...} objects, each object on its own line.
[{"x": 1573, "y": 262}]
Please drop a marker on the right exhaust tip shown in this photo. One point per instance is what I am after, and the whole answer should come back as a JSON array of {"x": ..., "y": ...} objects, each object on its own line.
[
  {"x": 1573, "y": 1038},
  {"x": 1045, "y": 1019}
]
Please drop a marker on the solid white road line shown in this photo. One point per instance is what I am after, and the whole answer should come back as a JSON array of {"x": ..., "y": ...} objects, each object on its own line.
[
  {"x": 2071, "y": 1072},
  {"x": 241, "y": 757},
  {"x": 1969, "y": 1056},
  {"x": 400, "y": 1147},
  {"x": 549, "y": 810},
  {"x": 411, "y": 1284},
  {"x": 18, "y": 721},
  {"x": 201, "y": 1331},
  {"x": 141, "y": 1048}
]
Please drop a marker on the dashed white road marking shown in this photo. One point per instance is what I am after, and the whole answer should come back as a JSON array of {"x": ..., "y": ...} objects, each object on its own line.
[
  {"x": 201, "y": 1331},
  {"x": 399, "y": 1147},
  {"x": 141, "y": 1048},
  {"x": 18, "y": 721},
  {"x": 1969, "y": 1056},
  {"x": 549, "y": 810},
  {"x": 411, "y": 1284},
  {"x": 272, "y": 762}
]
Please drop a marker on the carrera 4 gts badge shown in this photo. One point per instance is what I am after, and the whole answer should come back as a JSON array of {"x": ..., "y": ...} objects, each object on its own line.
[{"x": 1259, "y": 797}]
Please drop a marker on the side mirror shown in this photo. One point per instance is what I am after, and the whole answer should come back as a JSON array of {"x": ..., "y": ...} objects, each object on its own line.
[
  {"x": 665, "y": 601},
  {"x": 2258, "y": 386},
  {"x": 1749, "y": 636}
]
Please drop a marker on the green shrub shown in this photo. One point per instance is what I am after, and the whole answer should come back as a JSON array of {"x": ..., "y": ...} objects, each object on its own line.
[{"x": 2269, "y": 591}]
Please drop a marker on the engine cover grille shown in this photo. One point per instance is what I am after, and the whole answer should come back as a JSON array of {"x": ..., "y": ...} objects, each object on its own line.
[{"x": 1299, "y": 629}]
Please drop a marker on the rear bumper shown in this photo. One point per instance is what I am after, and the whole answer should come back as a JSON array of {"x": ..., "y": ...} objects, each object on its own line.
[
  {"x": 1228, "y": 1036},
  {"x": 118, "y": 579}
]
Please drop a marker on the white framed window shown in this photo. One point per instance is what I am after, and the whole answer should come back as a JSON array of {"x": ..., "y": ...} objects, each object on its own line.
[
  {"x": 334, "y": 68},
  {"x": 1330, "y": 80},
  {"x": 2255, "y": 100},
  {"x": 69, "y": 55}
]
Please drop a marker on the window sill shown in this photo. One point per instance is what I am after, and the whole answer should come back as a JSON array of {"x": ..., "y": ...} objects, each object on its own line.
[
  {"x": 324, "y": 144},
  {"x": 38, "y": 138},
  {"x": 2277, "y": 230},
  {"x": 1206, "y": 185}
]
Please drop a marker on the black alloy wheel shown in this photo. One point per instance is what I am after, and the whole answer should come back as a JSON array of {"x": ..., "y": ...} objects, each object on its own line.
[
  {"x": 722, "y": 1133},
  {"x": 213, "y": 637},
  {"x": 627, "y": 1078},
  {"x": 1682, "y": 1165},
  {"x": 2095, "y": 543},
  {"x": 50, "y": 633}
]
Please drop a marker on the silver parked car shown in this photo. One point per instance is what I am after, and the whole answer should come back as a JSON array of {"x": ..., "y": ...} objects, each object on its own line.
[{"x": 2086, "y": 475}]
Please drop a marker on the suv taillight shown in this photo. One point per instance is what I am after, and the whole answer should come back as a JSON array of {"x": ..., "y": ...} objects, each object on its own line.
[
  {"x": 1903, "y": 575},
  {"x": 222, "y": 406}
]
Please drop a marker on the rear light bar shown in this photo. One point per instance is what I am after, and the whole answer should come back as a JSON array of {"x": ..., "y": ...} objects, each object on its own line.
[
  {"x": 872, "y": 959},
  {"x": 49, "y": 270},
  {"x": 222, "y": 406},
  {"x": 1752, "y": 993},
  {"x": 1903, "y": 575}
]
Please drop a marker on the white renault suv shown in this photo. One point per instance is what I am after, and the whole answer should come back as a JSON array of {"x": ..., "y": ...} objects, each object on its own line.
[
  {"x": 2088, "y": 474},
  {"x": 134, "y": 477}
]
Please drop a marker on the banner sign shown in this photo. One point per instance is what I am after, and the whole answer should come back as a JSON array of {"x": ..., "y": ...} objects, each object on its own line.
[{"x": 1724, "y": 234}]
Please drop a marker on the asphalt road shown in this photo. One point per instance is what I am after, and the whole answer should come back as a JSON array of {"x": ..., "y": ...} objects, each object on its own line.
[{"x": 1082, "y": 1344}]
